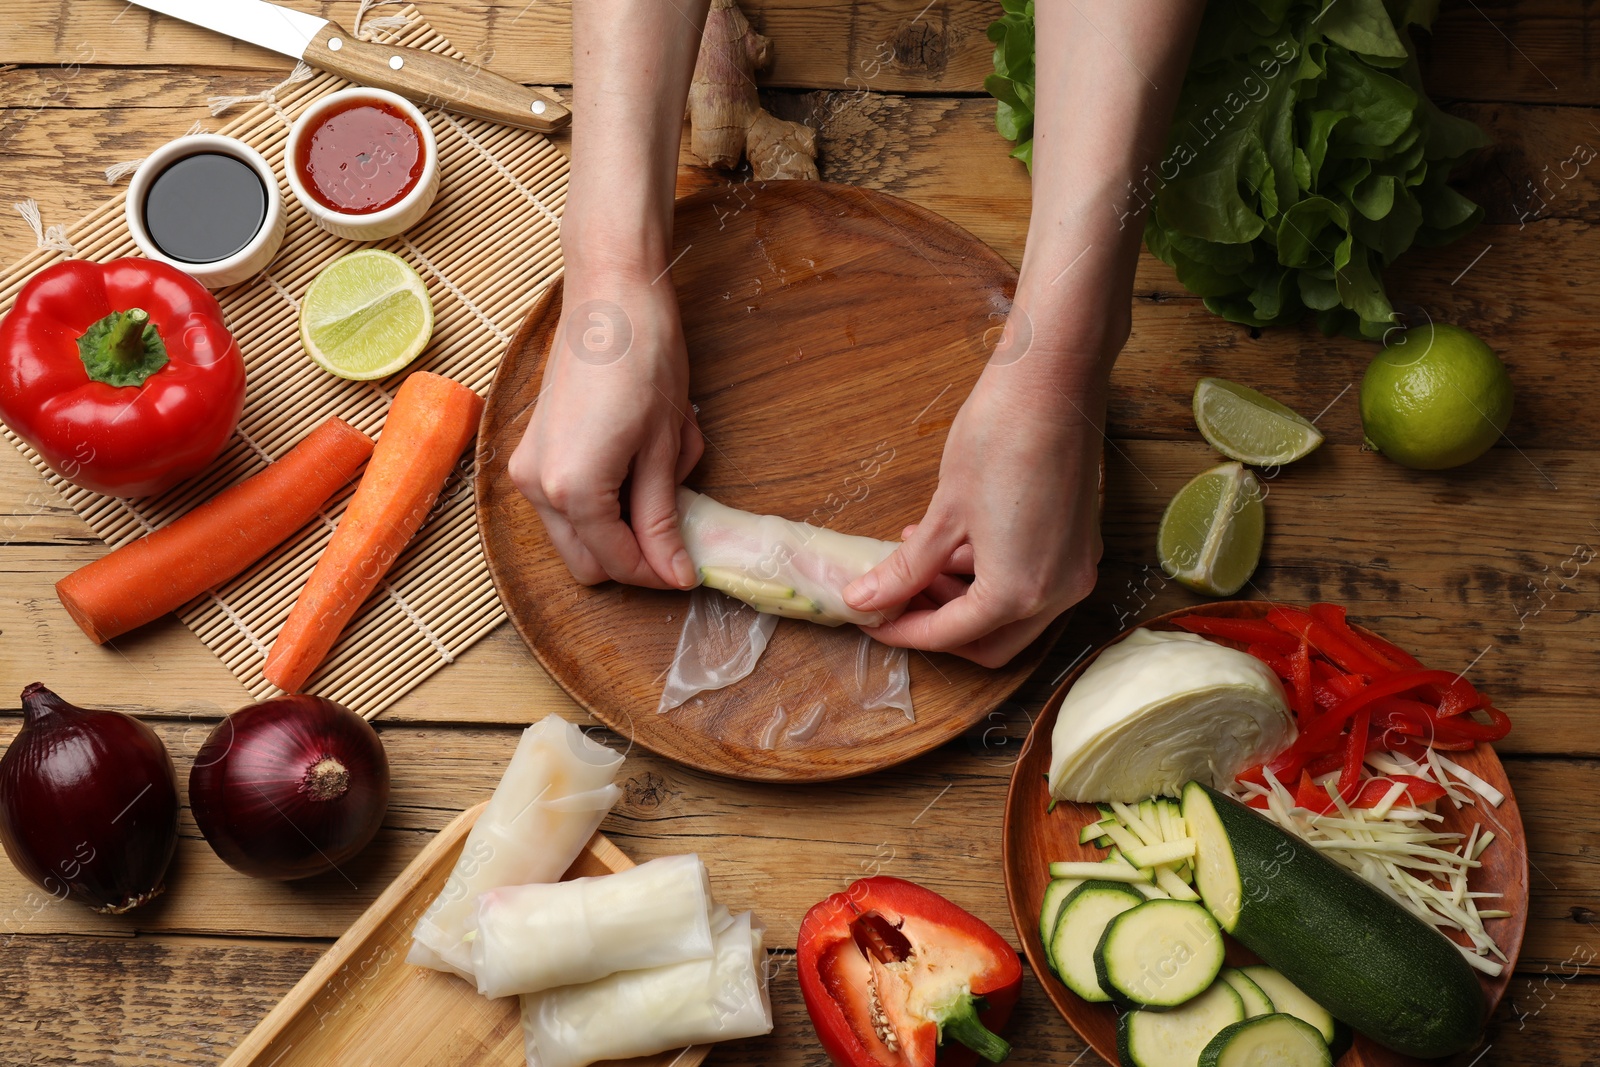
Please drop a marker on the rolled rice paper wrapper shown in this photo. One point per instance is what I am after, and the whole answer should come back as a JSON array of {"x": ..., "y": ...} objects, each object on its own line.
[
  {"x": 639, "y": 1013},
  {"x": 556, "y": 789},
  {"x": 535, "y": 937},
  {"x": 777, "y": 565}
]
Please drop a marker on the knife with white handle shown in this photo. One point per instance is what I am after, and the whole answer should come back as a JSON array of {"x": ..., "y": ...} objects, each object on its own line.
[{"x": 422, "y": 77}]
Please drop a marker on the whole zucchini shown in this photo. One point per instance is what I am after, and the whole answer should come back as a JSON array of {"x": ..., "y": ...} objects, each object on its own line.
[{"x": 1352, "y": 949}]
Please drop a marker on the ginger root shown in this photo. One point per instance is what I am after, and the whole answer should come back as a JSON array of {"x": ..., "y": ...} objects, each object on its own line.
[{"x": 725, "y": 114}]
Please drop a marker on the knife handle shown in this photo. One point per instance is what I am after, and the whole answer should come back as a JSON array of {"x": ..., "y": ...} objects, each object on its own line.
[{"x": 432, "y": 80}]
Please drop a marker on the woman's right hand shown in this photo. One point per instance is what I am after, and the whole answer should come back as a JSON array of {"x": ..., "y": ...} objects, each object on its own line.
[{"x": 613, "y": 433}]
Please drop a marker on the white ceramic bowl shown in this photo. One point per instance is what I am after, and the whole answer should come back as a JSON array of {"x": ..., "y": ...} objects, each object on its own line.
[
  {"x": 249, "y": 260},
  {"x": 377, "y": 225}
]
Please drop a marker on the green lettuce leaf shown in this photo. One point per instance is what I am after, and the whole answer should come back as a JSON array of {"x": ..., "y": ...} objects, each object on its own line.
[{"x": 1304, "y": 156}]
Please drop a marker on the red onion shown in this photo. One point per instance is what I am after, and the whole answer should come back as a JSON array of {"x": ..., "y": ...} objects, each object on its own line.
[
  {"x": 290, "y": 787},
  {"x": 88, "y": 803}
]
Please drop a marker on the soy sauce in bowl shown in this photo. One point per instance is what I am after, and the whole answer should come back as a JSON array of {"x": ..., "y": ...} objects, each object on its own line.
[
  {"x": 361, "y": 157},
  {"x": 205, "y": 207}
]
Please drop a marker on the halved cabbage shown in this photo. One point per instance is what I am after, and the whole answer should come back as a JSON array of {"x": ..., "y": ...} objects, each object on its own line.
[{"x": 1157, "y": 709}]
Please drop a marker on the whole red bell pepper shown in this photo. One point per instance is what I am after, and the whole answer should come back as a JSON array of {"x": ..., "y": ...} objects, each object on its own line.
[
  {"x": 122, "y": 375},
  {"x": 891, "y": 972}
]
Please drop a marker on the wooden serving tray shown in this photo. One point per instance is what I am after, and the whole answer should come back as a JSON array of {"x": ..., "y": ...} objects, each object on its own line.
[
  {"x": 1034, "y": 836},
  {"x": 833, "y": 333},
  {"x": 362, "y": 1003}
]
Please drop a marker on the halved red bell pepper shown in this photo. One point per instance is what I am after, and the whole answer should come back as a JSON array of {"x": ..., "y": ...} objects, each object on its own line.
[{"x": 892, "y": 973}]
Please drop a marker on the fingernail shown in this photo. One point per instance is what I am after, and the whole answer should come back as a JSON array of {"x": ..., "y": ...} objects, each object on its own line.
[
  {"x": 861, "y": 591},
  {"x": 683, "y": 567}
]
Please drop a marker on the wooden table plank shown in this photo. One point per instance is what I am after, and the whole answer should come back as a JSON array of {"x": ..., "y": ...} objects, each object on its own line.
[
  {"x": 941, "y": 152},
  {"x": 1343, "y": 525},
  {"x": 1451, "y": 564},
  {"x": 185, "y": 1002},
  {"x": 881, "y": 45},
  {"x": 935, "y": 820}
]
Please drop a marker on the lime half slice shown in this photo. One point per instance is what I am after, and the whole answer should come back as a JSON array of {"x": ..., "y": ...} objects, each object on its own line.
[
  {"x": 1210, "y": 535},
  {"x": 366, "y": 316},
  {"x": 1244, "y": 425}
]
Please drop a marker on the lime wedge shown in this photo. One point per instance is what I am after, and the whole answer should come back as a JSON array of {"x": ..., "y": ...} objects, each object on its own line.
[
  {"x": 1244, "y": 425},
  {"x": 1210, "y": 535},
  {"x": 366, "y": 316}
]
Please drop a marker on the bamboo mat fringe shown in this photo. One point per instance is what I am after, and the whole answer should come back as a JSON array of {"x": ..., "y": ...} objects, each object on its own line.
[{"x": 486, "y": 250}]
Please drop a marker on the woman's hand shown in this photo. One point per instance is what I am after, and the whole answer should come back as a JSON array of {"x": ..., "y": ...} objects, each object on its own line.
[
  {"x": 1017, "y": 508},
  {"x": 613, "y": 434}
]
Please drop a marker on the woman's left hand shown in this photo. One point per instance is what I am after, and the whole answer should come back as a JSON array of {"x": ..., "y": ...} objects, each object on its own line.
[{"x": 1017, "y": 508}]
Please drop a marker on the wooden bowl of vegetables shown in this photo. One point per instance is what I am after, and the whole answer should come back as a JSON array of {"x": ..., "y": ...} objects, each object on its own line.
[{"x": 1390, "y": 775}]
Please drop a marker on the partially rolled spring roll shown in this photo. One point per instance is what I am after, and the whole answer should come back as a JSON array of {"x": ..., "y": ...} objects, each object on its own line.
[
  {"x": 639, "y": 1013},
  {"x": 556, "y": 789},
  {"x": 777, "y": 565},
  {"x": 535, "y": 937}
]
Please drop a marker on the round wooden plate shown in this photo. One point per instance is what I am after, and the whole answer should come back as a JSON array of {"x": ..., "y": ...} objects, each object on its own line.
[
  {"x": 833, "y": 333},
  {"x": 1034, "y": 837}
]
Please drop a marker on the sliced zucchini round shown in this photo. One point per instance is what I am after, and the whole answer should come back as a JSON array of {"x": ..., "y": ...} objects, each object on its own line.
[
  {"x": 1083, "y": 918},
  {"x": 1177, "y": 1037},
  {"x": 1287, "y": 997},
  {"x": 1256, "y": 1002},
  {"x": 1055, "y": 895},
  {"x": 1272, "y": 1040},
  {"x": 1159, "y": 955}
]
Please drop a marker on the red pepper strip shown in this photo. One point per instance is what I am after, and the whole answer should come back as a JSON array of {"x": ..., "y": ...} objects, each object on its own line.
[
  {"x": 1259, "y": 802},
  {"x": 1402, "y": 682},
  {"x": 1412, "y": 717},
  {"x": 1305, "y": 704},
  {"x": 1244, "y": 631},
  {"x": 1345, "y": 654},
  {"x": 1333, "y": 616},
  {"x": 1289, "y": 763},
  {"x": 1311, "y": 796},
  {"x": 1326, "y": 764},
  {"x": 1252, "y": 774},
  {"x": 1465, "y": 726},
  {"x": 1389, "y": 650},
  {"x": 1459, "y": 697},
  {"x": 1355, "y": 751},
  {"x": 1279, "y": 664},
  {"x": 1346, "y": 685},
  {"x": 1417, "y": 791}
]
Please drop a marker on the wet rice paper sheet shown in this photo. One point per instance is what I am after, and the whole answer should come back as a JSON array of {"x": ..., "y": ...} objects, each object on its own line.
[{"x": 722, "y": 641}]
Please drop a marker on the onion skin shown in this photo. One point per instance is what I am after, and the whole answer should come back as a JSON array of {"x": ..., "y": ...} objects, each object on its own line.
[
  {"x": 88, "y": 803},
  {"x": 290, "y": 787}
]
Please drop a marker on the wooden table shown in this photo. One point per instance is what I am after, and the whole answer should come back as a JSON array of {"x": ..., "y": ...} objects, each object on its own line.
[{"x": 1488, "y": 567}]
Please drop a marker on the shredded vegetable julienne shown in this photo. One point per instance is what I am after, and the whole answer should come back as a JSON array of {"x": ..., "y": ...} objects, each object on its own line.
[{"x": 1423, "y": 869}]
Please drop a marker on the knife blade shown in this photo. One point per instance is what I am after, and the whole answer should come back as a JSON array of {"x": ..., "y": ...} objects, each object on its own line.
[{"x": 424, "y": 78}]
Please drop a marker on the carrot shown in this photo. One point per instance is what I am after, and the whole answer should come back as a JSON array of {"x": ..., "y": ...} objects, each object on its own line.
[
  {"x": 431, "y": 420},
  {"x": 200, "y": 550}
]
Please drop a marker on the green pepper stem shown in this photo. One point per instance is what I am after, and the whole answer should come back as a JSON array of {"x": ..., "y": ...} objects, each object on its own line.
[
  {"x": 125, "y": 343},
  {"x": 961, "y": 1022}
]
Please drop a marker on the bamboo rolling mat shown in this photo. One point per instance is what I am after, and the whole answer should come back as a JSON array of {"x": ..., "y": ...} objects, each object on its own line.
[{"x": 486, "y": 249}]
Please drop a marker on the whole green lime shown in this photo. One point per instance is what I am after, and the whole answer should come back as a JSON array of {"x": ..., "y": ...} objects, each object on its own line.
[{"x": 1437, "y": 397}]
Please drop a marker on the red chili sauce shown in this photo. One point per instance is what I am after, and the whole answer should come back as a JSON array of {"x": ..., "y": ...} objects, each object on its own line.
[{"x": 364, "y": 156}]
